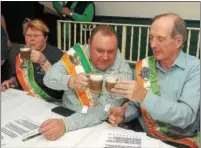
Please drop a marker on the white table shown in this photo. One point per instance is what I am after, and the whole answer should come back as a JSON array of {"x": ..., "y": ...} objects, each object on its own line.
[{"x": 17, "y": 106}]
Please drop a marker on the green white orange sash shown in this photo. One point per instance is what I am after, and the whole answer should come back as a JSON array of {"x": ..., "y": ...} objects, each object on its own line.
[
  {"x": 82, "y": 66},
  {"x": 27, "y": 81},
  {"x": 147, "y": 77}
]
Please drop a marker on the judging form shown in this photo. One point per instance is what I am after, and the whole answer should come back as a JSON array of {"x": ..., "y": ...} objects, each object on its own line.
[{"x": 17, "y": 129}]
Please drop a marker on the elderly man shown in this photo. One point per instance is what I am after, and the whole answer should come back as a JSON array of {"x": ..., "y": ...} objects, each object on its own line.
[
  {"x": 166, "y": 94},
  {"x": 30, "y": 74},
  {"x": 101, "y": 54}
]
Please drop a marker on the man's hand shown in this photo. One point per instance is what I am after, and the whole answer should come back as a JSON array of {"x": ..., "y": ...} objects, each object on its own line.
[
  {"x": 66, "y": 11},
  {"x": 53, "y": 129},
  {"x": 130, "y": 89},
  {"x": 116, "y": 115},
  {"x": 80, "y": 81},
  {"x": 11, "y": 83},
  {"x": 37, "y": 56}
]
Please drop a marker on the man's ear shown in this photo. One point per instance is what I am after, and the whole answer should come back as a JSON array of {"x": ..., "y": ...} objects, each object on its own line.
[
  {"x": 179, "y": 40},
  {"x": 89, "y": 43},
  {"x": 46, "y": 39}
]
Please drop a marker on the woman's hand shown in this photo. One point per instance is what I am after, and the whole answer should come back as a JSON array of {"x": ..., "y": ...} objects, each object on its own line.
[
  {"x": 66, "y": 11},
  {"x": 11, "y": 83},
  {"x": 37, "y": 56}
]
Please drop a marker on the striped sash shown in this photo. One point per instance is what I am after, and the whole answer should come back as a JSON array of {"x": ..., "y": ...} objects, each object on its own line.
[
  {"x": 25, "y": 75},
  {"x": 147, "y": 77},
  {"x": 76, "y": 61}
]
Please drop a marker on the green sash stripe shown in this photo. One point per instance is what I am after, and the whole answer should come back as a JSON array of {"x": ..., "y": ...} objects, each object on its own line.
[
  {"x": 33, "y": 84},
  {"x": 154, "y": 81},
  {"x": 83, "y": 58},
  {"x": 155, "y": 89},
  {"x": 197, "y": 139}
]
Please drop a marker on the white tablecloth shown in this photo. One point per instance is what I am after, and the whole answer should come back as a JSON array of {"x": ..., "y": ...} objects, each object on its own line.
[{"x": 17, "y": 106}]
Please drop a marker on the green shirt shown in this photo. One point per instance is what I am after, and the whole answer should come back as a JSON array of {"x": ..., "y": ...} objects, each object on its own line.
[{"x": 87, "y": 16}]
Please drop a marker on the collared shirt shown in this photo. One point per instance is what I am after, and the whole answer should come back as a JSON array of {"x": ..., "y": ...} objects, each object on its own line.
[
  {"x": 57, "y": 78},
  {"x": 179, "y": 99}
]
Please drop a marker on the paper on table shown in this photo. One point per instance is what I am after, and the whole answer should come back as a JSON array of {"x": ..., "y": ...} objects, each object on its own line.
[
  {"x": 15, "y": 130},
  {"x": 152, "y": 143},
  {"x": 69, "y": 140},
  {"x": 27, "y": 106},
  {"x": 10, "y": 94},
  {"x": 9, "y": 107},
  {"x": 34, "y": 108},
  {"x": 12, "y": 99},
  {"x": 3, "y": 142},
  {"x": 107, "y": 136}
]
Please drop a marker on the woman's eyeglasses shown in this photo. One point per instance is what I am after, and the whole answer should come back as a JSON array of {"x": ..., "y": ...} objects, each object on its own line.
[{"x": 33, "y": 35}]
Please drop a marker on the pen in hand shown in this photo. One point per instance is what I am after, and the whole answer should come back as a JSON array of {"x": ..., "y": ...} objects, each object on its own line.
[{"x": 30, "y": 137}]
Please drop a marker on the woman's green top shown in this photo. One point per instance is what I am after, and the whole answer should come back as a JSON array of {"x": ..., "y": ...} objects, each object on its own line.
[{"x": 85, "y": 15}]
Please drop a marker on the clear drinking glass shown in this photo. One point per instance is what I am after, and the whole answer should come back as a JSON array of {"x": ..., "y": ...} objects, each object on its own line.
[
  {"x": 25, "y": 55},
  {"x": 95, "y": 85},
  {"x": 111, "y": 78}
]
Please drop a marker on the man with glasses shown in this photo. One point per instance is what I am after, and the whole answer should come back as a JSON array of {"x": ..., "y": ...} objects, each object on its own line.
[{"x": 30, "y": 74}]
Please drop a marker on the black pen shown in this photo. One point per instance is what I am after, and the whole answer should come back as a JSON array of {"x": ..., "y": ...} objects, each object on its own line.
[{"x": 30, "y": 137}]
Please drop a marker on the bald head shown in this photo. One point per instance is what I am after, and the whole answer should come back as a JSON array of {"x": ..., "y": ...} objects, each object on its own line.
[
  {"x": 178, "y": 24},
  {"x": 103, "y": 30}
]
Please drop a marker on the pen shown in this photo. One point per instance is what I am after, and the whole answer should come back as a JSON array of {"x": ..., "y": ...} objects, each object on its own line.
[{"x": 30, "y": 137}]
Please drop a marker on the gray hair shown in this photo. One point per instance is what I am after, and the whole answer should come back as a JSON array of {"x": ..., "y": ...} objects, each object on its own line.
[{"x": 179, "y": 27}]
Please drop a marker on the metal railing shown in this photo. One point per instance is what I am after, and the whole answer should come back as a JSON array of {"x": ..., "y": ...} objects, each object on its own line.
[{"x": 133, "y": 39}]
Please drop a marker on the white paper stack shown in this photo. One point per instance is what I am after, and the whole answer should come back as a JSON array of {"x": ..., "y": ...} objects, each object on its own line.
[{"x": 106, "y": 136}]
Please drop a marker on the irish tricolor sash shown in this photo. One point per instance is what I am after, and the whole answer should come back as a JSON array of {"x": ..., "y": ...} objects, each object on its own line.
[
  {"x": 25, "y": 75},
  {"x": 76, "y": 61},
  {"x": 147, "y": 77}
]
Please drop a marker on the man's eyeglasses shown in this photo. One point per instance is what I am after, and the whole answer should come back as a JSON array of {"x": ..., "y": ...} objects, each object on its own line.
[{"x": 33, "y": 35}]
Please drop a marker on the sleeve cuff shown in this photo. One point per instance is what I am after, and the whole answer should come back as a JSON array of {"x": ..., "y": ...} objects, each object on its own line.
[
  {"x": 131, "y": 113},
  {"x": 64, "y": 81},
  {"x": 69, "y": 124},
  {"x": 149, "y": 101}
]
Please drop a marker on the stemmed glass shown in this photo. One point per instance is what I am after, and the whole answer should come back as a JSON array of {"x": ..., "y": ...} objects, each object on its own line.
[{"x": 111, "y": 78}]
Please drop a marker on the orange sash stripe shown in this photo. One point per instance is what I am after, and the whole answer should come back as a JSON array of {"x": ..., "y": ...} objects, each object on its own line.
[
  {"x": 71, "y": 71},
  {"x": 138, "y": 70},
  {"x": 150, "y": 125},
  {"x": 20, "y": 76}
]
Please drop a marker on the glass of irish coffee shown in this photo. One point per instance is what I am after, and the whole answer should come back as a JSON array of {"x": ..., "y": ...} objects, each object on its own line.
[
  {"x": 25, "y": 55},
  {"x": 95, "y": 84},
  {"x": 111, "y": 78}
]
